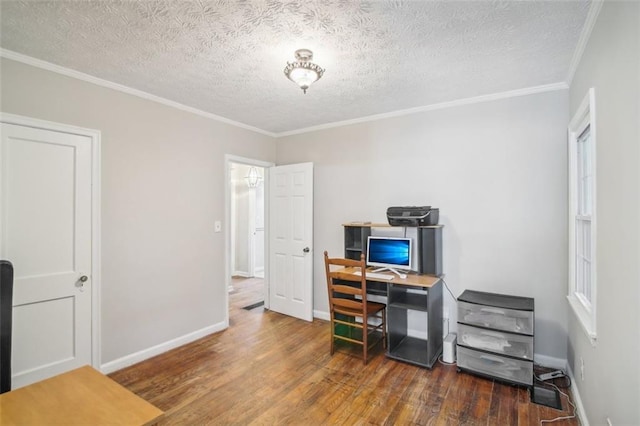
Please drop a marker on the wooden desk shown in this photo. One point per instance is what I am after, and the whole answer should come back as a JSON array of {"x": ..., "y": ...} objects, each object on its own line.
[
  {"x": 421, "y": 293},
  {"x": 79, "y": 397},
  {"x": 416, "y": 280}
]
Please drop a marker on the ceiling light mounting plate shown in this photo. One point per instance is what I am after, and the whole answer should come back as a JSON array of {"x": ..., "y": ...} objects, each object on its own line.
[{"x": 304, "y": 55}]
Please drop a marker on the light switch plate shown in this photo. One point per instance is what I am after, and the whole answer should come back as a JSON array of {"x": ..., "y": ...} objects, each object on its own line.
[{"x": 217, "y": 226}]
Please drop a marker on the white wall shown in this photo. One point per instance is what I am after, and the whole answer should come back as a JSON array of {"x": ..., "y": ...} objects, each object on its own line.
[
  {"x": 496, "y": 170},
  {"x": 611, "y": 64},
  {"x": 162, "y": 189}
]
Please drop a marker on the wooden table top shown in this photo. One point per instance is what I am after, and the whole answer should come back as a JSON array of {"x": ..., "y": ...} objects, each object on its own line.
[
  {"x": 79, "y": 397},
  {"x": 412, "y": 279}
]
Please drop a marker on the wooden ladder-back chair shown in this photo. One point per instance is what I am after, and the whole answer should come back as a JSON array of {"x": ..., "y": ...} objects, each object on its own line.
[{"x": 348, "y": 303}]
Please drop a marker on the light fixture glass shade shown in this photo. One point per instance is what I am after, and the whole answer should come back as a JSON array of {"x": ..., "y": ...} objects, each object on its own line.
[
  {"x": 303, "y": 72},
  {"x": 303, "y": 77},
  {"x": 253, "y": 178}
]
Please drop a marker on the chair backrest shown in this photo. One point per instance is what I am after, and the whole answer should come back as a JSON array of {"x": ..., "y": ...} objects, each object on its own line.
[{"x": 343, "y": 285}]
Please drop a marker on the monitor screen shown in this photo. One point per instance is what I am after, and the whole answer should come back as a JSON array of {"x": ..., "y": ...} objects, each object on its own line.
[{"x": 389, "y": 252}]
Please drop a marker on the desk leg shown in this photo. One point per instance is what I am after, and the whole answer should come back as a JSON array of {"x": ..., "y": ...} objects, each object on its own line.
[{"x": 434, "y": 326}]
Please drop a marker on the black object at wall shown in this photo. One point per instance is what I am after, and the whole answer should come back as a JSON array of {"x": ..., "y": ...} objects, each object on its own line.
[
  {"x": 430, "y": 250},
  {"x": 6, "y": 318}
]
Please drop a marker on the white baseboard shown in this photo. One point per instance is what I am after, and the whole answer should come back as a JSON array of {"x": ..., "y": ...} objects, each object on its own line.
[
  {"x": 584, "y": 421},
  {"x": 321, "y": 315},
  {"x": 551, "y": 362},
  {"x": 144, "y": 354},
  {"x": 243, "y": 274}
]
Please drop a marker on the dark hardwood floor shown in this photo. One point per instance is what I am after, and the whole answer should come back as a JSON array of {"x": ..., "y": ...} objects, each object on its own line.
[{"x": 269, "y": 369}]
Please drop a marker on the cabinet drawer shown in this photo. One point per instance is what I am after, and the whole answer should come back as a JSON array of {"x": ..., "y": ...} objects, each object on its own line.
[
  {"x": 510, "y": 369},
  {"x": 497, "y": 318},
  {"x": 515, "y": 345}
]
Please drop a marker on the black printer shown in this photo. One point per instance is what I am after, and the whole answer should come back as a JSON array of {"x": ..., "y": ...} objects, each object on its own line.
[{"x": 412, "y": 216}]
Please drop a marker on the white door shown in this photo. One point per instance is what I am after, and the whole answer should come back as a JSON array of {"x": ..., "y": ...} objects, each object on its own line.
[
  {"x": 291, "y": 240},
  {"x": 45, "y": 218}
]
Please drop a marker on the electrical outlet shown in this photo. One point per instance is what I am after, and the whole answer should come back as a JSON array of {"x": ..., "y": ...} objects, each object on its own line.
[
  {"x": 217, "y": 226},
  {"x": 581, "y": 368}
]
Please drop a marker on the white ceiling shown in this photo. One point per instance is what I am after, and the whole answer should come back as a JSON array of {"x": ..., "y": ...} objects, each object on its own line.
[{"x": 226, "y": 57}]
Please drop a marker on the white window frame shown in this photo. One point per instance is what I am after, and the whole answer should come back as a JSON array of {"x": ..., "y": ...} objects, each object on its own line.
[{"x": 583, "y": 307}]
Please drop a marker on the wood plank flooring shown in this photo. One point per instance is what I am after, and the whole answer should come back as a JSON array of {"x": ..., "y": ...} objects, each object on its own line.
[{"x": 270, "y": 369}]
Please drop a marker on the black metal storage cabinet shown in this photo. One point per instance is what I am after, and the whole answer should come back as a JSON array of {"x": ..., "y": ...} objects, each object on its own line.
[
  {"x": 401, "y": 299},
  {"x": 355, "y": 240},
  {"x": 423, "y": 346},
  {"x": 495, "y": 336},
  {"x": 430, "y": 250},
  {"x": 428, "y": 245}
]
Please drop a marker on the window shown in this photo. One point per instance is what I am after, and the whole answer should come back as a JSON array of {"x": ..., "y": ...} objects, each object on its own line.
[{"x": 582, "y": 215}]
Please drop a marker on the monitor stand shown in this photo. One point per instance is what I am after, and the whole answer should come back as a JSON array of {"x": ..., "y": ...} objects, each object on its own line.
[{"x": 398, "y": 273}]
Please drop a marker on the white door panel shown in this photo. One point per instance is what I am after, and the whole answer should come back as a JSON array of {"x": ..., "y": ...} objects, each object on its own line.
[
  {"x": 280, "y": 270},
  {"x": 46, "y": 233},
  {"x": 291, "y": 217},
  {"x": 299, "y": 269},
  {"x": 56, "y": 336}
]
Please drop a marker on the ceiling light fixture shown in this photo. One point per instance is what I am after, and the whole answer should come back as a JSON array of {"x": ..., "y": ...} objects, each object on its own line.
[{"x": 303, "y": 72}]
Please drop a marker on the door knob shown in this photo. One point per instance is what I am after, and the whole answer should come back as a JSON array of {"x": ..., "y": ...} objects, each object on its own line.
[
  {"x": 80, "y": 283},
  {"x": 306, "y": 249}
]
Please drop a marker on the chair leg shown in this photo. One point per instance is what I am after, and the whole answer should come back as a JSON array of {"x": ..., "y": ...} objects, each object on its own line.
[
  {"x": 365, "y": 334},
  {"x": 333, "y": 330}
]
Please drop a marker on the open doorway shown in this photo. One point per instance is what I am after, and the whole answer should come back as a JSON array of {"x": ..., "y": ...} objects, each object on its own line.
[
  {"x": 247, "y": 221},
  {"x": 246, "y": 236}
]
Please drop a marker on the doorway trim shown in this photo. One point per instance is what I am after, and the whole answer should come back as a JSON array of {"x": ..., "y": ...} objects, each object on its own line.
[
  {"x": 95, "y": 137},
  {"x": 228, "y": 159}
]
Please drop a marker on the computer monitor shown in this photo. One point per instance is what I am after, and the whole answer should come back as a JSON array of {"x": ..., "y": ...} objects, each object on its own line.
[{"x": 389, "y": 253}]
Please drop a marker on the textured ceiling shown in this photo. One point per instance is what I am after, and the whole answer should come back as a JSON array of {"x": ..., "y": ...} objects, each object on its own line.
[{"x": 227, "y": 57}]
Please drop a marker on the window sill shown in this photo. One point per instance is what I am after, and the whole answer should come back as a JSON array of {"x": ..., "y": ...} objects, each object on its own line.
[{"x": 584, "y": 318}]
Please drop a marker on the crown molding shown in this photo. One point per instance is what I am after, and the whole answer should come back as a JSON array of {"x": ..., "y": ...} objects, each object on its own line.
[
  {"x": 433, "y": 107},
  {"x": 38, "y": 63},
  {"x": 590, "y": 22},
  {"x": 139, "y": 93}
]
